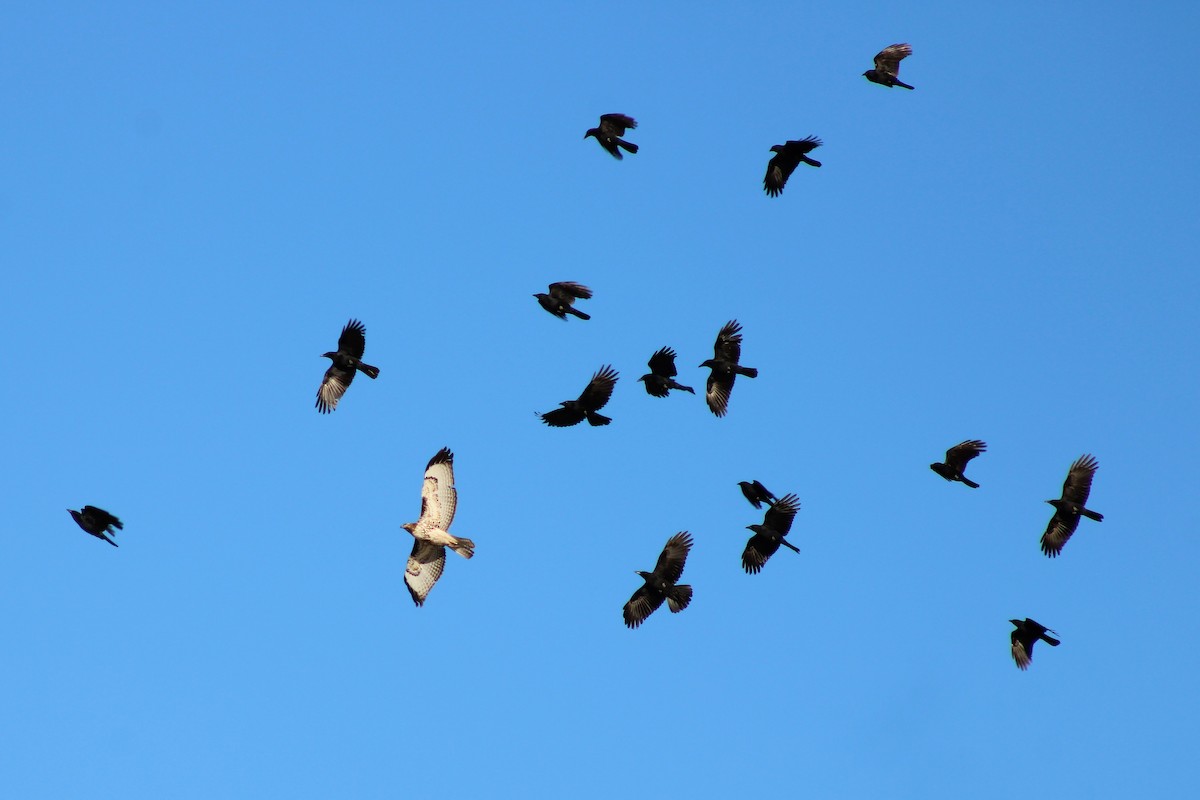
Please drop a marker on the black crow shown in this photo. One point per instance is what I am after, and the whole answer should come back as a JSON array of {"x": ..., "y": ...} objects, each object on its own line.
[
  {"x": 787, "y": 157},
  {"x": 725, "y": 368},
  {"x": 887, "y": 66},
  {"x": 661, "y": 379},
  {"x": 561, "y": 297},
  {"x": 1070, "y": 506},
  {"x": 756, "y": 493},
  {"x": 1023, "y": 638},
  {"x": 768, "y": 536},
  {"x": 346, "y": 361},
  {"x": 431, "y": 532},
  {"x": 573, "y": 412},
  {"x": 97, "y": 522},
  {"x": 612, "y": 128},
  {"x": 661, "y": 584},
  {"x": 956, "y": 461}
]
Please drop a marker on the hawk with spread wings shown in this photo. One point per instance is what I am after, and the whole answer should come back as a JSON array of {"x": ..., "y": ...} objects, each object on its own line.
[{"x": 431, "y": 532}]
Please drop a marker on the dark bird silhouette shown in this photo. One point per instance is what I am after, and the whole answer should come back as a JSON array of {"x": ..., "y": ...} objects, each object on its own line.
[
  {"x": 661, "y": 584},
  {"x": 1023, "y": 639},
  {"x": 956, "y": 461},
  {"x": 346, "y": 361},
  {"x": 561, "y": 297},
  {"x": 97, "y": 522},
  {"x": 573, "y": 412},
  {"x": 431, "y": 532},
  {"x": 769, "y": 535},
  {"x": 727, "y": 351},
  {"x": 661, "y": 378},
  {"x": 756, "y": 493},
  {"x": 1070, "y": 506},
  {"x": 612, "y": 128},
  {"x": 887, "y": 66},
  {"x": 787, "y": 157}
]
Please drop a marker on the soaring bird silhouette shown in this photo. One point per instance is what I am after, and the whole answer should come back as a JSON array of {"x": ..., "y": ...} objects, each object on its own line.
[
  {"x": 346, "y": 361},
  {"x": 594, "y": 397},
  {"x": 1070, "y": 506},
  {"x": 431, "y": 532},
  {"x": 661, "y": 584},
  {"x": 770, "y": 534},
  {"x": 1023, "y": 638},
  {"x": 608, "y": 134},
  {"x": 97, "y": 522},
  {"x": 727, "y": 351},
  {"x": 956, "y": 461},
  {"x": 561, "y": 297},
  {"x": 787, "y": 157},
  {"x": 756, "y": 493},
  {"x": 661, "y": 378},
  {"x": 887, "y": 66}
]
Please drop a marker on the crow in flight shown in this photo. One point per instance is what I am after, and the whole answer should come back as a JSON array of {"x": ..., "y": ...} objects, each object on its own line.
[
  {"x": 97, "y": 522},
  {"x": 346, "y": 361},
  {"x": 768, "y": 536},
  {"x": 431, "y": 532},
  {"x": 573, "y": 412},
  {"x": 756, "y": 493},
  {"x": 561, "y": 297},
  {"x": 1070, "y": 506},
  {"x": 661, "y": 584},
  {"x": 887, "y": 66},
  {"x": 661, "y": 378},
  {"x": 956, "y": 461},
  {"x": 787, "y": 157},
  {"x": 1023, "y": 639},
  {"x": 725, "y": 368},
  {"x": 612, "y": 128}
]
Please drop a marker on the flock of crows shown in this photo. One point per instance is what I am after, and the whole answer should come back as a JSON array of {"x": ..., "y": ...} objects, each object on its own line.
[{"x": 439, "y": 499}]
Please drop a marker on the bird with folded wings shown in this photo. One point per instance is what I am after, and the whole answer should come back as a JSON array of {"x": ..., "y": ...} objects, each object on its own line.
[{"x": 431, "y": 532}]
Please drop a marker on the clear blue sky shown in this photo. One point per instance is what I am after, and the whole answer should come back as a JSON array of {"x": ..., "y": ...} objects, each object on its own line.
[{"x": 196, "y": 197}]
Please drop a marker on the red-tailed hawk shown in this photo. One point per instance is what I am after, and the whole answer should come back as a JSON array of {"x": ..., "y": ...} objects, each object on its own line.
[{"x": 431, "y": 535}]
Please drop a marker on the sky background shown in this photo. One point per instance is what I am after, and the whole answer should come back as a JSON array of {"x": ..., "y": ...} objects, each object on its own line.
[{"x": 195, "y": 199}]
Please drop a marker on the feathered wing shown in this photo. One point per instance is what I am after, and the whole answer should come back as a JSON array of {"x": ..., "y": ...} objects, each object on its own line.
[
  {"x": 567, "y": 291},
  {"x": 758, "y": 549},
  {"x": 728, "y": 346},
  {"x": 616, "y": 124},
  {"x": 439, "y": 499},
  {"x": 888, "y": 59},
  {"x": 1058, "y": 533},
  {"x": 1078, "y": 484},
  {"x": 563, "y": 417},
  {"x": 780, "y": 515},
  {"x": 1020, "y": 653},
  {"x": 958, "y": 456},
  {"x": 102, "y": 517},
  {"x": 663, "y": 363},
  {"x": 353, "y": 340},
  {"x": 717, "y": 390},
  {"x": 599, "y": 389},
  {"x": 333, "y": 386},
  {"x": 641, "y": 605},
  {"x": 673, "y": 557},
  {"x": 425, "y": 565}
]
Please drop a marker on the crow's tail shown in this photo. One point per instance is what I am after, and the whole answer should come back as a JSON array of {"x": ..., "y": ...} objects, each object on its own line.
[
  {"x": 597, "y": 419},
  {"x": 629, "y": 146},
  {"x": 1096, "y": 515},
  {"x": 969, "y": 482},
  {"x": 369, "y": 371},
  {"x": 749, "y": 372},
  {"x": 576, "y": 312},
  {"x": 678, "y": 598}
]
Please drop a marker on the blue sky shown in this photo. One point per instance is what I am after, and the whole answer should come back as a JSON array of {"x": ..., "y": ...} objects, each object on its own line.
[{"x": 197, "y": 197}]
